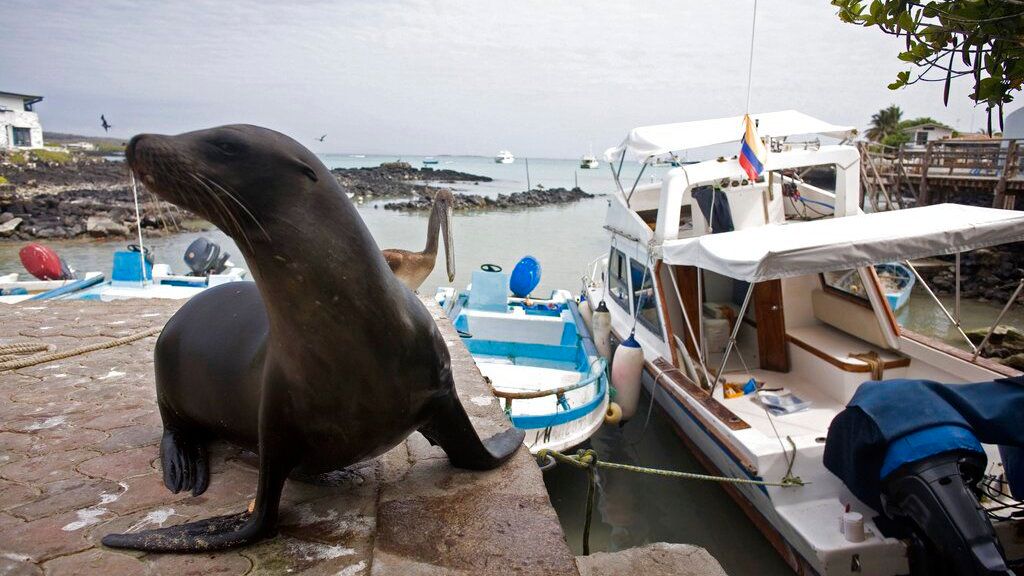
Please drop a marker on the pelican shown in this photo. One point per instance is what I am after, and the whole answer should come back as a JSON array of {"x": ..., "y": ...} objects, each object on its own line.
[{"x": 412, "y": 268}]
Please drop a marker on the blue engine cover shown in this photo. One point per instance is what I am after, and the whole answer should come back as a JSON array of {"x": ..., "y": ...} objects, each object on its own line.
[
  {"x": 895, "y": 422},
  {"x": 525, "y": 277}
]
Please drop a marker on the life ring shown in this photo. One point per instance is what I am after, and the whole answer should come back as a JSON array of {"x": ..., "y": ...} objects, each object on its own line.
[
  {"x": 613, "y": 415},
  {"x": 490, "y": 268}
]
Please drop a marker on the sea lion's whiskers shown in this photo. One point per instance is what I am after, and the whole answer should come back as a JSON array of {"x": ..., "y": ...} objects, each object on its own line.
[
  {"x": 220, "y": 208},
  {"x": 241, "y": 205}
]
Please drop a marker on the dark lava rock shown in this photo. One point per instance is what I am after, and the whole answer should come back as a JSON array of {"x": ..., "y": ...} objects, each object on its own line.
[
  {"x": 527, "y": 199},
  {"x": 397, "y": 179}
]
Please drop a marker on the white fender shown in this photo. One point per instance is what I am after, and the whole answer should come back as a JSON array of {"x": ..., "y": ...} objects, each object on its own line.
[
  {"x": 627, "y": 368},
  {"x": 587, "y": 313},
  {"x": 601, "y": 319}
]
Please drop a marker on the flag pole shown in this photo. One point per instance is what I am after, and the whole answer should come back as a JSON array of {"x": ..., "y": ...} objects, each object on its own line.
[{"x": 750, "y": 66}]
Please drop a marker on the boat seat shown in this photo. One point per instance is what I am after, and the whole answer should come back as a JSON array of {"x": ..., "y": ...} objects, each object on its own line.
[
  {"x": 842, "y": 350},
  {"x": 489, "y": 291}
]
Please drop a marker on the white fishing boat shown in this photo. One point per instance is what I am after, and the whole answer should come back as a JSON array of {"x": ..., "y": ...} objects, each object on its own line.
[
  {"x": 16, "y": 284},
  {"x": 537, "y": 355},
  {"x": 753, "y": 351},
  {"x": 504, "y": 157},
  {"x": 589, "y": 162},
  {"x": 208, "y": 267}
]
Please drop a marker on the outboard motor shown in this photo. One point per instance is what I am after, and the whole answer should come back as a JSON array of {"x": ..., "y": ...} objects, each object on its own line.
[
  {"x": 44, "y": 263},
  {"x": 912, "y": 450},
  {"x": 935, "y": 497},
  {"x": 204, "y": 258}
]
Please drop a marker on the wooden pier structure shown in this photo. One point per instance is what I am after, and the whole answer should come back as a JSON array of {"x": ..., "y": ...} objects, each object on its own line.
[{"x": 980, "y": 172}]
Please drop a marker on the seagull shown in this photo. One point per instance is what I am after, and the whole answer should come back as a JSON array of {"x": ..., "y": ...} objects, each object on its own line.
[
  {"x": 106, "y": 125},
  {"x": 322, "y": 137}
]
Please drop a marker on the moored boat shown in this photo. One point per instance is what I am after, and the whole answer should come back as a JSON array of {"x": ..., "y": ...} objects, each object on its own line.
[
  {"x": 589, "y": 162},
  {"x": 504, "y": 157},
  {"x": 726, "y": 283},
  {"x": 897, "y": 281},
  {"x": 537, "y": 354}
]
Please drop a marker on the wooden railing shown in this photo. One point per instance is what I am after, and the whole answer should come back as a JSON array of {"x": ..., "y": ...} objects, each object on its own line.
[{"x": 891, "y": 175}]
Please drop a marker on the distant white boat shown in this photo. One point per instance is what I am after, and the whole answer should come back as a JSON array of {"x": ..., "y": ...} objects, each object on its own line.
[
  {"x": 504, "y": 157},
  {"x": 589, "y": 162}
]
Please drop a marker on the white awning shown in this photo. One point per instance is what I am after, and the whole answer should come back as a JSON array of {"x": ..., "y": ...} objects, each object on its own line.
[
  {"x": 783, "y": 250},
  {"x": 647, "y": 141}
]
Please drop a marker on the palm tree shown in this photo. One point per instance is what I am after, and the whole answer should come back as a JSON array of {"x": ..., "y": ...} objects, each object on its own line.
[{"x": 885, "y": 123}]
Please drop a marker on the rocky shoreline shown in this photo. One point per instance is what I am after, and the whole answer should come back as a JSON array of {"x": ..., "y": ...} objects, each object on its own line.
[
  {"x": 528, "y": 199},
  {"x": 398, "y": 179},
  {"x": 986, "y": 274}
]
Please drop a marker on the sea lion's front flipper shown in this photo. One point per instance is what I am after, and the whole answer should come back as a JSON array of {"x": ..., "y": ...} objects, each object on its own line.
[
  {"x": 451, "y": 429},
  {"x": 221, "y": 532},
  {"x": 214, "y": 533}
]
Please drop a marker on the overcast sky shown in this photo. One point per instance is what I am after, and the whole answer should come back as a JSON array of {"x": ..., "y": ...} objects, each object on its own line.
[{"x": 540, "y": 78}]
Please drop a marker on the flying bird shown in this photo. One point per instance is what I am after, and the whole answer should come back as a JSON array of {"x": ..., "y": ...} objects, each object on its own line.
[
  {"x": 106, "y": 125},
  {"x": 322, "y": 137},
  {"x": 412, "y": 268}
]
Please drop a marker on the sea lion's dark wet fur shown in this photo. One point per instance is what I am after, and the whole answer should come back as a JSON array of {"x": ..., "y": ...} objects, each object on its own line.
[{"x": 325, "y": 361}]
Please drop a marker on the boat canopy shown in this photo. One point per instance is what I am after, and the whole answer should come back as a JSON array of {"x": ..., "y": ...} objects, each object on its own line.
[
  {"x": 827, "y": 245},
  {"x": 647, "y": 141}
]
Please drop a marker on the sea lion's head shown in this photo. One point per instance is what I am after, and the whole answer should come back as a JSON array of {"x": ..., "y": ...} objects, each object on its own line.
[{"x": 235, "y": 176}]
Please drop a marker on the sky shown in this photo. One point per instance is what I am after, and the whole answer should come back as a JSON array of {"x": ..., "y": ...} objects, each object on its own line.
[{"x": 540, "y": 78}]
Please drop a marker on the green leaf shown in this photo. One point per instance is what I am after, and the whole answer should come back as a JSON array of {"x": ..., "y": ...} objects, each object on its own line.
[{"x": 905, "y": 21}]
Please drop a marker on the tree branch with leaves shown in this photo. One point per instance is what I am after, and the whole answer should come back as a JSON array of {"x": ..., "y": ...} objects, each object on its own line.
[{"x": 948, "y": 39}]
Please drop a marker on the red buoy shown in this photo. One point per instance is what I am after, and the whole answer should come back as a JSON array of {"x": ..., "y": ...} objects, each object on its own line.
[{"x": 43, "y": 263}]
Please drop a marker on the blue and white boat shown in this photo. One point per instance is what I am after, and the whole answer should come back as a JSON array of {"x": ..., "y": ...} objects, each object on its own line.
[
  {"x": 538, "y": 356},
  {"x": 896, "y": 280}
]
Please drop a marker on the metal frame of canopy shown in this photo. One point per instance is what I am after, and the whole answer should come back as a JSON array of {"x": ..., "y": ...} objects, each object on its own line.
[
  {"x": 647, "y": 142},
  {"x": 927, "y": 231}
]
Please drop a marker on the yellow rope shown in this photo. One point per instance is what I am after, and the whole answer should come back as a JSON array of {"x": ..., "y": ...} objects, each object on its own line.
[
  {"x": 34, "y": 360},
  {"x": 585, "y": 458}
]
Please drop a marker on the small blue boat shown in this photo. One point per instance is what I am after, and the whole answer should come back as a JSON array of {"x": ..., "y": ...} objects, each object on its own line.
[
  {"x": 897, "y": 281},
  {"x": 538, "y": 355}
]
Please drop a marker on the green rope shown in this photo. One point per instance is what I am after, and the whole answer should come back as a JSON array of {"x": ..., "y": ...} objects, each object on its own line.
[{"x": 587, "y": 460}]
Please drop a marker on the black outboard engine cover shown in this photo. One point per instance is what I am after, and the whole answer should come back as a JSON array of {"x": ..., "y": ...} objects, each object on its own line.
[
  {"x": 951, "y": 531},
  {"x": 204, "y": 257},
  {"x": 913, "y": 450}
]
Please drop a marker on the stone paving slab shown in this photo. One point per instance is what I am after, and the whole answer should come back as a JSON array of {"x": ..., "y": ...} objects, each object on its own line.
[{"x": 79, "y": 459}]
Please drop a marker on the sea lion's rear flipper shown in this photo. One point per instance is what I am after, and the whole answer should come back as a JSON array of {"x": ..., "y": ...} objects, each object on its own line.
[
  {"x": 185, "y": 463},
  {"x": 451, "y": 429}
]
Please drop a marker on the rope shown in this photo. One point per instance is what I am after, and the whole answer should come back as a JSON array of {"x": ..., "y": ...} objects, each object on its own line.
[
  {"x": 10, "y": 352},
  {"x": 588, "y": 461},
  {"x": 874, "y": 361},
  {"x": 34, "y": 360}
]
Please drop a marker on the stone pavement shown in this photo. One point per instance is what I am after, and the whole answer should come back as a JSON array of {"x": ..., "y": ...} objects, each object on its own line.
[{"x": 78, "y": 459}]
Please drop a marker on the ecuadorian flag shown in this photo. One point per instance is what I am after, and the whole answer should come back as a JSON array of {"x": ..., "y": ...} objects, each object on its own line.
[{"x": 752, "y": 152}]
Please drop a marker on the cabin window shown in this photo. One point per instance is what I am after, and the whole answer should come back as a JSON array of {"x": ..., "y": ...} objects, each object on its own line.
[
  {"x": 618, "y": 281},
  {"x": 846, "y": 283},
  {"x": 644, "y": 299}
]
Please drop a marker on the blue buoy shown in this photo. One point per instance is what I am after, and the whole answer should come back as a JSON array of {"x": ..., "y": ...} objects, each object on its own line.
[{"x": 525, "y": 277}]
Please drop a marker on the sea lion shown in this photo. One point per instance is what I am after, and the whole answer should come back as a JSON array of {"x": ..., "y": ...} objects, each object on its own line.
[{"x": 325, "y": 361}]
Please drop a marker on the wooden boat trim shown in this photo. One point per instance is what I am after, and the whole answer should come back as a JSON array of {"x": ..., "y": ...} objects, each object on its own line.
[
  {"x": 725, "y": 415},
  {"x": 901, "y": 362},
  {"x": 708, "y": 427},
  {"x": 986, "y": 363}
]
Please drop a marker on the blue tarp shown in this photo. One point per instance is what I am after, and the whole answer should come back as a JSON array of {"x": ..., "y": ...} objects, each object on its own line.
[{"x": 881, "y": 414}]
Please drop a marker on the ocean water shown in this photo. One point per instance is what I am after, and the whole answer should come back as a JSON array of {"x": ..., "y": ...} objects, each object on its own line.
[{"x": 632, "y": 509}]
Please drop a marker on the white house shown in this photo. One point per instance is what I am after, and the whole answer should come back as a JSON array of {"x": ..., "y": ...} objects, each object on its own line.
[
  {"x": 922, "y": 134},
  {"x": 19, "y": 125}
]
